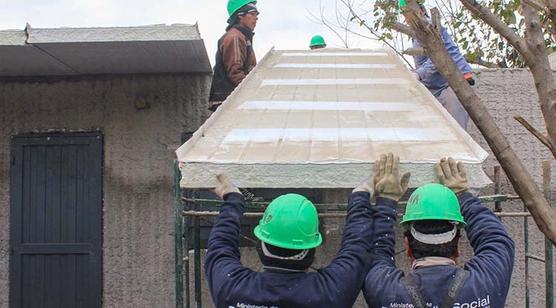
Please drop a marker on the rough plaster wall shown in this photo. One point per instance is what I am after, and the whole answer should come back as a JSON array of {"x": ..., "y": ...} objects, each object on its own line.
[
  {"x": 139, "y": 145},
  {"x": 506, "y": 93}
]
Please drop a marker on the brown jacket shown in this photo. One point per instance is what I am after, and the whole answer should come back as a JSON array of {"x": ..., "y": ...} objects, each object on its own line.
[{"x": 233, "y": 47}]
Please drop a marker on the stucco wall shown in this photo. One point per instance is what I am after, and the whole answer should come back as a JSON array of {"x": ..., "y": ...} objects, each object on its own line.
[
  {"x": 506, "y": 93},
  {"x": 139, "y": 144}
]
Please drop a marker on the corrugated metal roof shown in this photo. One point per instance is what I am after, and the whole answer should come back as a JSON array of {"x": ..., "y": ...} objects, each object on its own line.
[
  {"x": 320, "y": 118},
  {"x": 116, "y": 50}
]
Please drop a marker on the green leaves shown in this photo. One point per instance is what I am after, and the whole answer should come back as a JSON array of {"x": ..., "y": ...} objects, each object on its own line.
[{"x": 478, "y": 41}]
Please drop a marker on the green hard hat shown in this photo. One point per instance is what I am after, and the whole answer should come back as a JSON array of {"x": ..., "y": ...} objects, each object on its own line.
[
  {"x": 290, "y": 221},
  {"x": 234, "y": 5},
  {"x": 403, "y": 3},
  {"x": 433, "y": 202},
  {"x": 317, "y": 40}
]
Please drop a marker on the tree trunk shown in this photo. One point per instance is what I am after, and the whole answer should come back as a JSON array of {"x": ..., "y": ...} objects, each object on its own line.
[
  {"x": 523, "y": 183},
  {"x": 540, "y": 69}
]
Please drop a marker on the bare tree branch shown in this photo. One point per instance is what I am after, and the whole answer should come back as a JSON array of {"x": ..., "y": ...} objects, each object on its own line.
[
  {"x": 339, "y": 20},
  {"x": 542, "y": 138},
  {"x": 447, "y": 10},
  {"x": 363, "y": 23},
  {"x": 436, "y": 19},
  {"x": 481, "y": 62},
  {"x": 523, "y": 183},
  {"x": 323, "y": 20},
  {"x": 397, "y": 26},
  {"x": 414, "y": 51},
  {"x": 534, "y": 4}
]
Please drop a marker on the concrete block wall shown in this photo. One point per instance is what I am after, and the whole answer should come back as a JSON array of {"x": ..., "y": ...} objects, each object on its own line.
[{"x": 142, "y": 119}]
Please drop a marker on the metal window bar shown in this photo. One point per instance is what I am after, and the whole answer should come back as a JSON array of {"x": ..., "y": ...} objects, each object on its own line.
[
  {"x": 189, "y": 214},
  {"x": 548, "y": 264},
  {"x": 178, "y": 251}
]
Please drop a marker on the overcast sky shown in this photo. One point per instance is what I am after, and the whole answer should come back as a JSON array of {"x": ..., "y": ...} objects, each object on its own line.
[{"x": 285, "y": 24}]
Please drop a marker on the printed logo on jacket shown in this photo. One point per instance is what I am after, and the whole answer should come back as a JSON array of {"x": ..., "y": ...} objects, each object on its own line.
[{"x": 479, "y": 303}]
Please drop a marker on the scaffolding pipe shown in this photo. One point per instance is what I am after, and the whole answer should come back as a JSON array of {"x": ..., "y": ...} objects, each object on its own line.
[
  {"x": 497, "y": 184},
  {"x": 339, "y": 206},
  {"x": 178, "y": 227},
  {"x": 548, "y": 264},
  {"x": 324, "y": 215},
  {"x": 526, "y": 244},
  {"x": 187, "y": 287},
  {"x": 197, "y": 258},
  {"x": 534, "y": 257}
]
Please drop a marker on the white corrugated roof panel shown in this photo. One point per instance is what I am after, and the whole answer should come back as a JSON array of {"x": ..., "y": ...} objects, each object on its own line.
[{"x": 319, "y": 119}]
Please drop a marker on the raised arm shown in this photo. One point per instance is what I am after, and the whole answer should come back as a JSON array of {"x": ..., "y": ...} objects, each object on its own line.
[
  {"x": 355, "y": 251},
  {"x": 493, "y": 248},
  {"x": 367, "y": 227},
  {"x": 223, "y": 254},
  {"x": 389, "y": 188},
  {"x": 455, "y": 52}
]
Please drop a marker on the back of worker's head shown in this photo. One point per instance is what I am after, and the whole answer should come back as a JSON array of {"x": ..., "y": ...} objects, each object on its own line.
[
  {"x": 289, "y": 233},
  {"x": 432, "y": 222},
  {"x": 420, "y": 230}
]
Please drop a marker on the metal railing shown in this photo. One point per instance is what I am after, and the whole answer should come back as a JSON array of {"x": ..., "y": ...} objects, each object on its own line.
[{"x": 189, "y": 215}]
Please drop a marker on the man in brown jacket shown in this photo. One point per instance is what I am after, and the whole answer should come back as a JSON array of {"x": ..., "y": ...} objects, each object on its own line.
[{"x": 235, "y": 57}]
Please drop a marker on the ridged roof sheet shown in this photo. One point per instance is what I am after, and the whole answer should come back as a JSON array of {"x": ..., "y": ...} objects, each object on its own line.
[{"x": 320, "y": 119}]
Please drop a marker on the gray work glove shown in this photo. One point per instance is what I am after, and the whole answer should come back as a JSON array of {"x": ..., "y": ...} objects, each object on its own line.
[
  {"x": 367, "y": 186},
  {"x": 451, "y": 175},
  {"x": 224, "y": 186},
  {"x": 387, "y": 181}
]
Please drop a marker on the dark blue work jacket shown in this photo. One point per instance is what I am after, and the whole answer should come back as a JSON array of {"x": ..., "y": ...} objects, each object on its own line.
[
  {"x": 336, "y": 285},
  {"x": 490, "y": 268}
]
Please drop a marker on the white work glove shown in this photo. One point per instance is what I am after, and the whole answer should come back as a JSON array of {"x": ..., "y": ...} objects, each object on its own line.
[
  {"x": 387, "y": 181},
  {"x": 224, "y": 186},
  {"x": 451, "y": 175}
]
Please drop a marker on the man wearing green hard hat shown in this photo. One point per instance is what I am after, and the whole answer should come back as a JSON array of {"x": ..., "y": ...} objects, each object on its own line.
[
  {"x": 235, "y": 57},
  {"x": 317, "y": 42},
  {"x": 288, "y": 235},
  {"x": 434, "y": 218}
]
